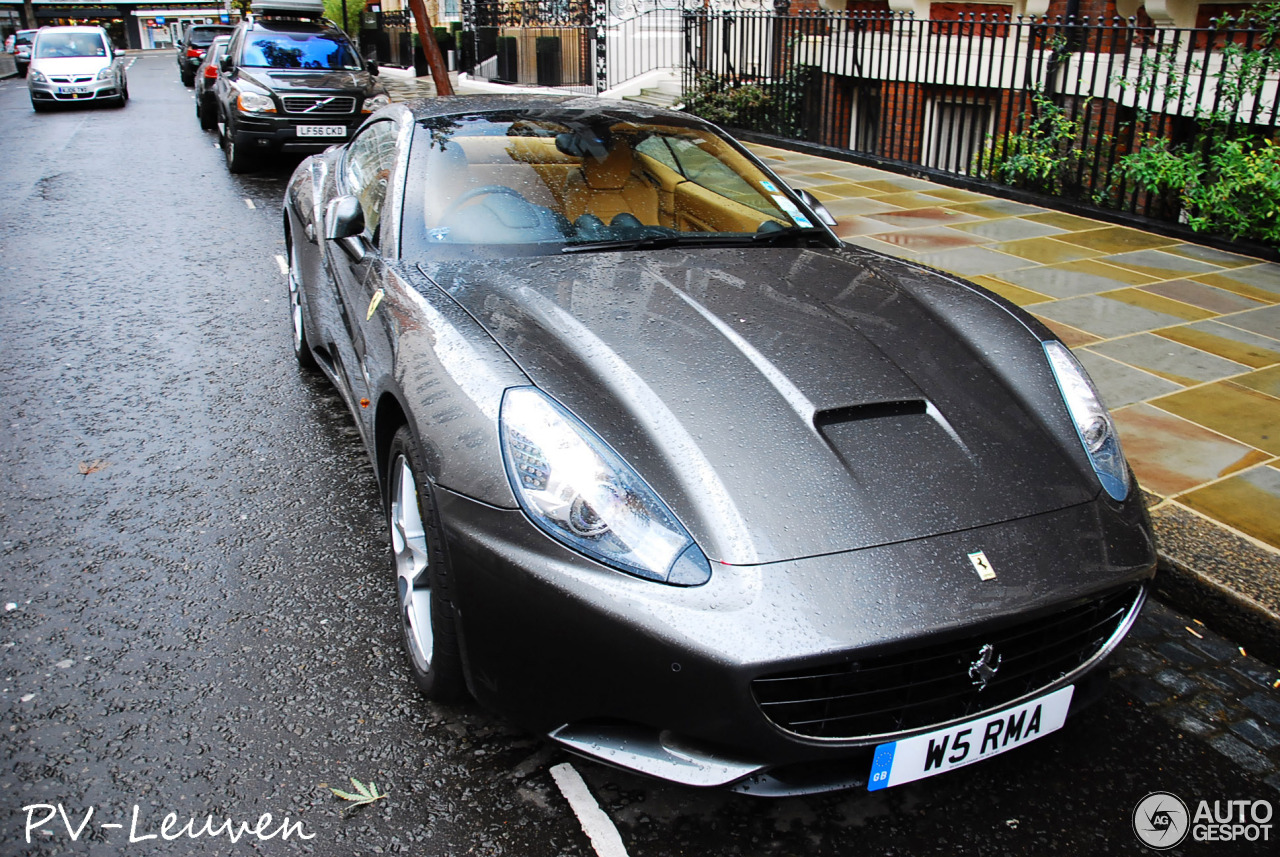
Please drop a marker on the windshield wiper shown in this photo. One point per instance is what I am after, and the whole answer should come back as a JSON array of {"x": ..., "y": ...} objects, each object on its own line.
[
  {"x": 773, "y": 236},
  {"x": 644, "y": 242}
]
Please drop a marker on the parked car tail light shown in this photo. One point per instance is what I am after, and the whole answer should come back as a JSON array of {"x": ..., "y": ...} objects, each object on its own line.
[
  {"x": 210, "y": 72},
  {"x": 194, "y": 53}
]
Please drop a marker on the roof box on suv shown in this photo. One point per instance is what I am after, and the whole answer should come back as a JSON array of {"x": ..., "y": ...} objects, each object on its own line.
[{"x": 297, "y": 8}]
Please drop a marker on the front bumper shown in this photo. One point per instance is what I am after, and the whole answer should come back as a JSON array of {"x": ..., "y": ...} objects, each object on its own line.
[
  {"x": 266, "y": 133},
  {"x": 94, "y": 90},
  {"x": 659, "y": 679}
]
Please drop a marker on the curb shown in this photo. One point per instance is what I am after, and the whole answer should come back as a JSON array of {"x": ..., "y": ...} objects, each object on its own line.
[{"x": 1226, "y": 611}]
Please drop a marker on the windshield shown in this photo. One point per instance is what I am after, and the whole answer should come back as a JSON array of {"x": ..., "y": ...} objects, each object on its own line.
[
  {"x": 52, "y": 45},
  {"x": 323, "y": 50},
  {"x": 494, "y": 183}
]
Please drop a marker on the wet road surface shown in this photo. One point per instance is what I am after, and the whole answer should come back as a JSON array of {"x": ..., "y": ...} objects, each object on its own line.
[{"x": 198, "y": 598}]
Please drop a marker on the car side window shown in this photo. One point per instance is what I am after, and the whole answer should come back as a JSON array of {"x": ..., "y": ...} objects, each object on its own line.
[
  {"x": 233, "y": 47},
  {"x": 367, "y": 169}
]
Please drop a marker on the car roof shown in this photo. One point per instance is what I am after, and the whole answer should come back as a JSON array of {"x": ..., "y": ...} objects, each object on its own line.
[
  {"x": 291, "y": 25},
  {"x": 82, "y": 28},
  {"x": 551, "y": 107}
]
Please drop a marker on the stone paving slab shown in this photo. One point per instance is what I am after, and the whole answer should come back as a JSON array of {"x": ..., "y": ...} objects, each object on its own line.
[{"x": 1205, "y": 685}]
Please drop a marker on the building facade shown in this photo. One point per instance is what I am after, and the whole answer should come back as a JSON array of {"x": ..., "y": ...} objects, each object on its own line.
[{"x": 136, "y": 25}]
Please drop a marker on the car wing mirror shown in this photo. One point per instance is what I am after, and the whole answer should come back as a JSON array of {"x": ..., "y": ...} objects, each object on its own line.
[
  {"x": 344, "y": 223},
  {"x": 372, "y": 65},
  {"x": 818, "y": 208},
  {"x": 225, "y": 63}
]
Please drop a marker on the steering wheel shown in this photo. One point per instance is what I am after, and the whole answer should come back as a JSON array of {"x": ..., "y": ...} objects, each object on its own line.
[{"x": 477, "y": 192}]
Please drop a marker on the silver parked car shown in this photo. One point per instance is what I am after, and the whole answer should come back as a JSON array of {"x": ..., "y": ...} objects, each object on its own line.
[
  {"x": 19, "y": 44},
  {"x": 75, "y": 64}
]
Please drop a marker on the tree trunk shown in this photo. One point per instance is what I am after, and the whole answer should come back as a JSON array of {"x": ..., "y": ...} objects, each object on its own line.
[{"x": 435, "y": 59}]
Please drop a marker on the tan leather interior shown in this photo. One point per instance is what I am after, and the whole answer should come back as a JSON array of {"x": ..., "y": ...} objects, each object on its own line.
[
  {"x": 624, "y": 181},
  {"x": 610, "y": 187}
]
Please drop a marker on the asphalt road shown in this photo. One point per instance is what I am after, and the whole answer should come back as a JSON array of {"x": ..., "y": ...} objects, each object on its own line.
[{"x": 202, "y": 604}]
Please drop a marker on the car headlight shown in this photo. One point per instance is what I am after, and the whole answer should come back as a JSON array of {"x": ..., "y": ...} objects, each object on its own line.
[
  {"x": 375, "y": 102},
  {"x": 107, "y": 73},
  {"x": 36, "y": 77},
  {"x": 1093, "y": 422},
  {"x": 581, "y": 493},
  {"x": 254, "y": 102}
]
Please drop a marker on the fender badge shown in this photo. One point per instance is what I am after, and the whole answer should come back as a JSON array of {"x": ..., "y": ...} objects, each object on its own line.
[
  {"x": 373, "y": 304},
  {"x": 982, "y": 566}
]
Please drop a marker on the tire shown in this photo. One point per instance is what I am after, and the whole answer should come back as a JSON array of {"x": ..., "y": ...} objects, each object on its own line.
[
  {"x": 301, "y": 349},
  {"x": 39, "y": 106},
  {"x": 206, "y": 114},
  {"x": 424, "y": 598},
  {"x": 188, "y": 78},
  {"x": 238, "y": 160}
]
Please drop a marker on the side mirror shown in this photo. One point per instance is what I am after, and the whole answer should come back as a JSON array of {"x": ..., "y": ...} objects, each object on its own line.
[
  {"x": 344, "y": 223},
  {"x": 818, "y": 208},
  {"x": 224, "y": 64},
  {"x": 372, "y": 65}
]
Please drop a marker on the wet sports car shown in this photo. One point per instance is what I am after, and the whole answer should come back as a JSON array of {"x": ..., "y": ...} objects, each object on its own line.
[{"x": 677, "y": 479}]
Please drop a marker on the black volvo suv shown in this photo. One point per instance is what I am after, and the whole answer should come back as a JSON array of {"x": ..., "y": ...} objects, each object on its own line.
[{"x": 291, "y": 82}]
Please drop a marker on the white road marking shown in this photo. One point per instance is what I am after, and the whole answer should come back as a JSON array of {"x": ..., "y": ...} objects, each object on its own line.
[
  {"x": 598, "y": 827},
  {"x": 284, "y": 266},
  {"x": 249, "y": 203}
]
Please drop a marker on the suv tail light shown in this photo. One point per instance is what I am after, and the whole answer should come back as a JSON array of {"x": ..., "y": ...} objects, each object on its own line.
[
  {"x": 211, "y": 72},
  {"x": 194, "y": 53}
]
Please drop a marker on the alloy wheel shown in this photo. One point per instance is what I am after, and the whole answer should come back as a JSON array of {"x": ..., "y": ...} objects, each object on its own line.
[{"x": 409, "y": 546}]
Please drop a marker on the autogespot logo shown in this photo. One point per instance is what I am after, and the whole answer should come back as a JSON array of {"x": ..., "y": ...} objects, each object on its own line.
[{"x": 1160, "y": 820}]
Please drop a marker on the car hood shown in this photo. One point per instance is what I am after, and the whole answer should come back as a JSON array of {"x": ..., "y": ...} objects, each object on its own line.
[
  {"x": 790, "y": 403},
  {"x": 302, "y": 80},
  {"x": 70, "y": 65}
]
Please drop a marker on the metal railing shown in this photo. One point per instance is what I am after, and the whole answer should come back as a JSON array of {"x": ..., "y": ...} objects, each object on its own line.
[
  {"x": 585, "y": 46},
  {"x": 1056, "y": 107}
]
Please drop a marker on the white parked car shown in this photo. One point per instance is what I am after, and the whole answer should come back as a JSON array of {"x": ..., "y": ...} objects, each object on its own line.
[{"x": 75, "y": 64}]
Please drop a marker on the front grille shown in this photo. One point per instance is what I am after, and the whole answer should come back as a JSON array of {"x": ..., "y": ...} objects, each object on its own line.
[
  {"x": 931, "y": 685},
  {"x": 79, "y": 78},
  {"x": 320, "y": 105}
]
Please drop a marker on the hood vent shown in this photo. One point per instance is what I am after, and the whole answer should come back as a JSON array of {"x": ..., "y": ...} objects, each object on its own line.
[{"x": 869, "y": 411}]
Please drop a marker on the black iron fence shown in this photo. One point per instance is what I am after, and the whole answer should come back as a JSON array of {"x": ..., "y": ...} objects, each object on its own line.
[
  {"x": 584, "y": 46},
  {"x": 1178, "y": 125}
]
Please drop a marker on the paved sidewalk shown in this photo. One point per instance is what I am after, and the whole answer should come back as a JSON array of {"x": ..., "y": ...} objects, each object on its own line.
[{"x": 1182, "y": 340}]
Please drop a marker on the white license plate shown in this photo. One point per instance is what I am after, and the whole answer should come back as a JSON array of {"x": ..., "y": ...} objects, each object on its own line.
[
  {"x": 965, "y": 743},
  {"x": 72, "y": 90},
  {"x": 322, "y": 131}
]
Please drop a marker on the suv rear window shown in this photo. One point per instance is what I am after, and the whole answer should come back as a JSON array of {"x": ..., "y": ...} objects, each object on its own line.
[
  {"x": 202, "y": 37},
  {"x": 23, "y": 38},
  {"x": 263, "y": 49}
]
